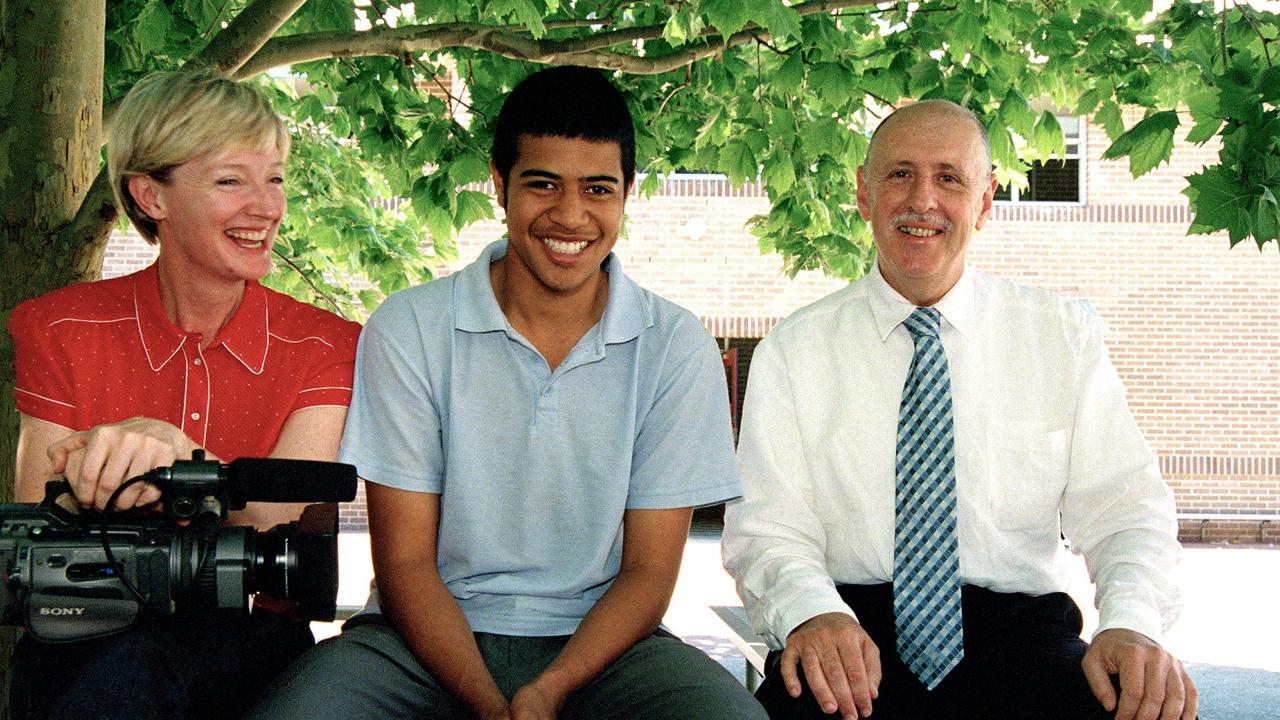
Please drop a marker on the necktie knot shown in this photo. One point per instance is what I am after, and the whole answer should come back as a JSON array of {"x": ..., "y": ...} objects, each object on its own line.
[{"x": 924, "y": 322}]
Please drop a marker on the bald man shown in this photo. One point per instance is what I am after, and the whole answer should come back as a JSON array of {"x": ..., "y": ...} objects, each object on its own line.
[{"x": 914, "y": 449}]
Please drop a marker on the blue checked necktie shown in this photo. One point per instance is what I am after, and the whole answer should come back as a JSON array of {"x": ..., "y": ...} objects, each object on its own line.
[{"x": 926, "y": 554}]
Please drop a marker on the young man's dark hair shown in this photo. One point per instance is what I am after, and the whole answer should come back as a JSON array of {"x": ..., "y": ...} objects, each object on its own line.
[{"x": 550, "y": 103}]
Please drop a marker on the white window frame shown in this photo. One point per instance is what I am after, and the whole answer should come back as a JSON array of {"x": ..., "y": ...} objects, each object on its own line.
[{"x": 1079, "y": 154}]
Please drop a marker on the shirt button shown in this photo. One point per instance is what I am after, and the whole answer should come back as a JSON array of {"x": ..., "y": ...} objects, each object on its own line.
[
  {"x": 196, "y": 361},
  {"x": 195, "y": 416}
]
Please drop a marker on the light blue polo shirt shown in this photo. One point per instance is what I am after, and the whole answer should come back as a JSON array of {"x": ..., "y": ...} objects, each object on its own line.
[{"x": 535, "y": 468}]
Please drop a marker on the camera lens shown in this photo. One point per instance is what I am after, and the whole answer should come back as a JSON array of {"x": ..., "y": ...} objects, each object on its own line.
[{"x": 298, "y": 561}]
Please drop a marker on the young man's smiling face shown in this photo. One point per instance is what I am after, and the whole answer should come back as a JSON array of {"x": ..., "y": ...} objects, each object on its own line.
[{"x": 564, "y": 199}]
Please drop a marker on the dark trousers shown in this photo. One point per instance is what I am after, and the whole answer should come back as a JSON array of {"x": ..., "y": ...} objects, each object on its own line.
[
  {"x": 369, "y": 672},
  {"x": 208, "y": 665},
  {"x": 1022, "y": 657}
]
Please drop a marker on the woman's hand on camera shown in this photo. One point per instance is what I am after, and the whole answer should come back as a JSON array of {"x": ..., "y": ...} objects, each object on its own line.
[{"x": 97, "y": 461}]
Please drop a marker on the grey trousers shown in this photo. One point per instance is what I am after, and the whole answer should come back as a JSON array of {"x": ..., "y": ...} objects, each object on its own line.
[{"x": 368, "y": 672}]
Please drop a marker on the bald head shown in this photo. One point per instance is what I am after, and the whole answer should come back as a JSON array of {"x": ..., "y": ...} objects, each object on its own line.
[
  {"x": 926, "y": 187},
  {"x": 932, "y": 108}
]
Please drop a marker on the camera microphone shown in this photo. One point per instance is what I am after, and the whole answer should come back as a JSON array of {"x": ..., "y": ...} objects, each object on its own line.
[
  {"x": 276, "y": 480},
  {"x": 257, "y": 480}
]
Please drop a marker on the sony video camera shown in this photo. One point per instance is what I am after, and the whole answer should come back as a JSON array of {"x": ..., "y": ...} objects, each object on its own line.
[{"x": 72, "y": 576}]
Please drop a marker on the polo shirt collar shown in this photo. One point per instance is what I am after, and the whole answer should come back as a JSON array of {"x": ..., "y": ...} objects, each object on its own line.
[
  {"x": 244, "y": 336},
  {"x": 248, "y": 334},
  {"x": 476, "y": 309},
  {"x": 890, "y": 308},
  {"x": 625, "y": 316}
]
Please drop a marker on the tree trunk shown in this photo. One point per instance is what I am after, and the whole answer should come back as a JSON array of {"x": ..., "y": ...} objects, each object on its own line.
[{"x": 51, "y": 55}]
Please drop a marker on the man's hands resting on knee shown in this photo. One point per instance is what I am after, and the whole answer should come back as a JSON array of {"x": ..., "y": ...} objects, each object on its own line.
[
  {"x": 1153, "y": 683},
  {"x": 840, "y": 661},
  {"x": 842, "y": 666}
]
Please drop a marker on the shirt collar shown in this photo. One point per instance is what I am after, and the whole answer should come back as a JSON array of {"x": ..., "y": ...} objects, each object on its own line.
[
  {"x": 247, "y": 335},
  {"x": 625, "y": 315},
  {"x": 889, "y": 308},
  {"x": 244, "y": 336}
]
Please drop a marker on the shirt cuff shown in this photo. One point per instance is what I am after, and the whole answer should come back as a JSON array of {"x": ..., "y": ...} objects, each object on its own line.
[
  {"x": 1131, "y": 616},
  {"x": 786, "y": 617}
]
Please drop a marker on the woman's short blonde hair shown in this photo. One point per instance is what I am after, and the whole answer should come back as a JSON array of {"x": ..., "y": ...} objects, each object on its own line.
[{"x": 170, "y": 118}]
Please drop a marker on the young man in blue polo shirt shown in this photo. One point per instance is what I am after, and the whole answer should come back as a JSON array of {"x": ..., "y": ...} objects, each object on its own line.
[{"x": 534, "y": 432}]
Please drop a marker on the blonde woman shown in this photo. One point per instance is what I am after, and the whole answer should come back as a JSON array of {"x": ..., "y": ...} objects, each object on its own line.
[{"x": 120, "y": 376}]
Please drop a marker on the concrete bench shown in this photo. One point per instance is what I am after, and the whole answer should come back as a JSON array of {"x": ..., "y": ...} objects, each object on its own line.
[
  {"x": 1208, "y": 516},
  {"x": 745, "y": 639}
]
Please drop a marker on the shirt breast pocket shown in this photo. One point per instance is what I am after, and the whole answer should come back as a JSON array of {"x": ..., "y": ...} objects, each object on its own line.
[{"x": 1027, "y": 468}]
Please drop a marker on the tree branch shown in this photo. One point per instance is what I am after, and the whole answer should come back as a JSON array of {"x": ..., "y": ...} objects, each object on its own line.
[
  {"x": 245, "y": 35},
  {"x": 234, "y": 45},
  {"x": 1244, "y": 13},
  {"x": 337, "y": 309},
  {"x": 688, "y": 81},
  {"x": 513, "y": 43},
  {"x": 97, "y": 213}
]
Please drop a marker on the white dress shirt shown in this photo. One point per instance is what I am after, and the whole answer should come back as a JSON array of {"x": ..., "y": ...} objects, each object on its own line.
[{"x": 1042, "y": 432}]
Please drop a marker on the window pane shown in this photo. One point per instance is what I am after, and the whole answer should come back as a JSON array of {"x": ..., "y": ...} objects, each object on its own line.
[{"x": 1054, "y": 181}]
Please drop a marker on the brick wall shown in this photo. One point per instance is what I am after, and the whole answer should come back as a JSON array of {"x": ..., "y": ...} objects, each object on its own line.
[{"x": 1193, "y": 324}]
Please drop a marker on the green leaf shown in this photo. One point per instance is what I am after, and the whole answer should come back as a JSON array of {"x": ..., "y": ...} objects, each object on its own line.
[
  {"x": 202, "y": 12},
  {"x": 1147, "y": 144},
  {"x": 472, "y": 206},
  {"x": 924, "y": 77},
  {"x": 780, "y": 174},
  {"x": 652, "y": 181},
  {"x": 439, "y": 224},
  {"x": 1047, "y": 138},
  {"x": 714, "y": 131},
  {"x": 1238, "y": 97},
  {"x": 821, "y": 137},
  {"x": 1266, "y": 219},
  {"x": 1088, "y": 102},
  {"x": 152, "y": 27},
  {"x": 887, "y": 83},
  {"x": 1109, "y": 118},
  {"x": 1269, "y": 84},
  {"x": 737, "y": 162},
  {"x": 1136, "y": 8},
  {"x": 1003, "y": 152},
  {"x": 1016, "y": 113},
  {"x": 780, "y": 20},
  {"x": 727, "y": 16},
  {"x": 1220, "y": 202},
  {"x": 469, "y": 168},
  {"x": 967, "y": 30},
  {"x": 524, "y": 11},
  {"x": 831, "y": 82},
  {"x": 1203, "y": 105},
  {"x": 683, "y": 27},
  {"x": 790, "y": 74},
  {"x": 328, "y": 15}
]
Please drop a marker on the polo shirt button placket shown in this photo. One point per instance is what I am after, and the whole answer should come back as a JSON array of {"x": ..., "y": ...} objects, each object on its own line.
[
  {"x": 197, "y": 398},
  {"x": 547, "y": 400}
]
